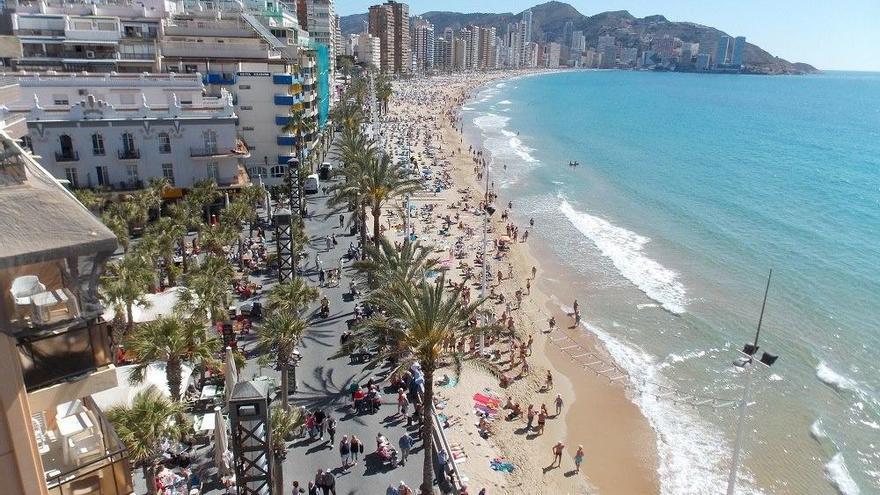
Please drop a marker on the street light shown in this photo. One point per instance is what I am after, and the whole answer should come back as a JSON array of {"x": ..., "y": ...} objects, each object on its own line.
[
  {"x": 747, "y": 362},
  {"x": 489, "y": 210},
  {"x": 293, "y": 165}
]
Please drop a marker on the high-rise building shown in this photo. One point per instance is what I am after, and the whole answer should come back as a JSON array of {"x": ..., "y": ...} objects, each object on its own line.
[
  {"x": 739, "y": 47},
  {"x": 721, "y": 51},
  {"x": 322, "y": 27},
  {"x": 551, "y": 60},
  {"x": 368, "y": 50},
  {"x": 607, "y": 47},
  {"x": 381, "y": 25},
  {"x": 442, "y": 53},
  {"x": 390, "y": 23},
  {"x": 423, "y": 45},
  {"x": 527, "y": 19}
]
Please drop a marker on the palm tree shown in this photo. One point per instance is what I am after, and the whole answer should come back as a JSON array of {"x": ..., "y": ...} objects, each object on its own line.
[
  {"x": 279, "y": 334},
  {"x": 420, "y": 320},
  {"x": 90, "y": 199},
  {"x": 355, "y": 151},
  {"x": 388, "y": 265},
  {"x": 383, "y": 181},
  {"x": 183, "y": 215},
  {"x": 283, "y": 423},
  {"x": 291, "y": 297},
  {"x": 165, "y": 234},
  {"x": 348, "y": 114},
  {"x": 172, "y": 340},
  {"x": 201, "y": 196},
  {"x": 383, "y": 91},
  {"x": 124, "y": 284},
  {"x": 119, "y": 217},
  {"x": 143, "y": 426},
  {"x": 207, "y": 289}
]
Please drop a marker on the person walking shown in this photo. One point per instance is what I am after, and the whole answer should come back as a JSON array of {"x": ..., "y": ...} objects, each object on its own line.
[
  {"x": 320, "y": 417},
  {"x": 405, "y": 443},
  {"x": 341, "y": 220},
  {"x": 442, "y": 460},
  {"x": 296, "y": 489},
  {"x": 558, "y": 404},
  {"x": 331, "y": 430},
  {"x": 530, "y": 416},
  {"x": 356, "y": 447},
  {"x": 402, "y": 402},
  {"x": 578, "y": 458},
  {"x": 558, "y": 449},
  {"x": 329, "y": 485},
  {"x": 345, "y": 451}
]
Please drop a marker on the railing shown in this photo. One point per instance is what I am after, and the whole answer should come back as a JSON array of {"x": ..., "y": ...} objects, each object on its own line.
[
  {"x": 227, "y": 79},
  {"x": 67, "y": 156},
  {"x": 286, "y": 140},
  {"x": 206, "y": 151},
  {"x": 285, "y": 100},
  {"x": 283, "y": 79},
  {"x": 129, "y": 154}
]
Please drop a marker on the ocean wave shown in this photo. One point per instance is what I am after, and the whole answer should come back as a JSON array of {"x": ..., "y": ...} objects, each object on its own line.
[
  {"x": 521, "y": 150},
  {"x": 505, "y": 102},
  {"x": 693, "y": 453},
  {"x": 838, "y": 474},
  {"x": 833, "y": 379},
  {"x": 817, "y": 431},
  {"x": 490, "y": 121},
  {"x": 625, "y": 249}
]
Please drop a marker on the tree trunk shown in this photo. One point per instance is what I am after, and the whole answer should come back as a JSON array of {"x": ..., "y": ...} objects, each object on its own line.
[
  {"x": 277, "y": 476},
  {"x": 150, "y": 478},
  {"x": 362, "y": 217},
  {"x": 172, "y": 375},
  {"x": 183, "y": 253},
  {"x": 129, "y": 317},
  {"x": 428, "y": 434},
  {"x": 283, "y": 359},
  {"x": 377, "y": 224}
]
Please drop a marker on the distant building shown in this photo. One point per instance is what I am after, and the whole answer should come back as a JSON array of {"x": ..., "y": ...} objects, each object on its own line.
[
  {"x": 629, "y": 56},
  {"x": 527, "y": 20},
  {"x": 368, "y": 50},
  {"x": 739, "y": 47},
  {"x": 381, "y": 25},
  {"x": 402, "y": 60},
  {"x": 702, "y": 62},
  {"x": 552, "y": 58},
  {"x": 422, "y": 45},
  {"x": 721, "y": 51}
]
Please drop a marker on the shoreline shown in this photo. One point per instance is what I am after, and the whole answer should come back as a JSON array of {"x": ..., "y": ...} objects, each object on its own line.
[{"x": 619, "y": 443}]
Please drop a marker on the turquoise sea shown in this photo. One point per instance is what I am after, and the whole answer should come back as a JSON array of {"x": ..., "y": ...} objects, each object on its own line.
[{"x": 690, "y": 189}]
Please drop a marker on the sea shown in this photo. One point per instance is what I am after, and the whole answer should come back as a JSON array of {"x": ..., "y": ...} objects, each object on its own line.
[{"x": 689, "y": 190}]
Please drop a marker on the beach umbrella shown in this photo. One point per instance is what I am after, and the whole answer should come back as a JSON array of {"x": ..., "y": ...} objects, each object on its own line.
[
  {"x": 227, "y": 198},
  {"x": 221, "y": 443},
  {"x": 230, "y": 372}
]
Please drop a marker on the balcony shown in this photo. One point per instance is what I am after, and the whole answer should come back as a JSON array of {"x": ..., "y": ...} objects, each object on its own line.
[
  {"x": 57, "y": 355},
  {"x": 282, "y": 119},
  {"x": 223, "y": 79},
  {"x": 129, "y": 154},
  {"x": 81, "y": 452},
  {"x": 213, "y": 28},
  {"x": 239, "y": 149},
  {"x": 285, "y": 100},
  {"x": 286, "y": 79},
  {"x": 188, "y": 49},
  {"x": 67, "y": 156},
  {"x": 283, "y": 159},
  {"x": 286, "y": 140}
]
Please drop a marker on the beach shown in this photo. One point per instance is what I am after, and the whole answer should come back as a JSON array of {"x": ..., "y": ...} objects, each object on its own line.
[{"x": 618, "y": 442}]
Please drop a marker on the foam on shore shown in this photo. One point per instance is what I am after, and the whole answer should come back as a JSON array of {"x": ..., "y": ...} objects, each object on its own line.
[{"x": 625, "y": 249}]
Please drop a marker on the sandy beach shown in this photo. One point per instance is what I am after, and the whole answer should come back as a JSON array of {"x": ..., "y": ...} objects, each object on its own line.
[{"x": 619, "y": 445}]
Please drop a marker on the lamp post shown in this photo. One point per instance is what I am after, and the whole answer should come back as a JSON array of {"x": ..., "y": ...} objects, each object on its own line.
[
  {"x": 488, "y": 211},
  {"x": 293, "y": 167},
  {"x": 747, "y": 362},
  {"x": 284, "y": 244}
]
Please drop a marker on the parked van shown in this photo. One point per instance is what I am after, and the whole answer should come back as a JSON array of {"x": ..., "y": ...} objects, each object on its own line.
[
  {"x": 311, "y": 185},
  {"x": 325, "y": 171}
]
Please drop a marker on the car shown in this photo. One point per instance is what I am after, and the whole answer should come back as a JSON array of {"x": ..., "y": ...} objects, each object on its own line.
[{"x": 311, "y": 184}]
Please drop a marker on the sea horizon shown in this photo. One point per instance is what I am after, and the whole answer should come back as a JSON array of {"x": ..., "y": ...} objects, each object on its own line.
[{"x": 689, "y": 189}]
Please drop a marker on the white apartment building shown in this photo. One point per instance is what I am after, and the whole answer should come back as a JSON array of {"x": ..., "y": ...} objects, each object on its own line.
[
  {"x": 118, "y": 131},
  {"x": 367, "y": 50},
  {"x": 94, "y": 37},
  {"x": 323, "y": 26}
]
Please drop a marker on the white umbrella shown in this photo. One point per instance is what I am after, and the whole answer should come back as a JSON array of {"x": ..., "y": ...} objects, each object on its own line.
[
  {"x": 230, "y": 372},
  {"x": 227, "y": 198},
  {"x": 221, "y": 443}
]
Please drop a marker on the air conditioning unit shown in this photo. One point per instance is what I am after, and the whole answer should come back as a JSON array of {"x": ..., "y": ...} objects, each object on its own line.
[{"x": 90, "y": 54}]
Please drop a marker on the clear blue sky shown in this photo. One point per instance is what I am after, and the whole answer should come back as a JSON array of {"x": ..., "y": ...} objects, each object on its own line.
[{"x": 844, "y": 34}]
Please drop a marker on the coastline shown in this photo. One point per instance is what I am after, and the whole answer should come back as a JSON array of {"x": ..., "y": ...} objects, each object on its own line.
[{"x": 619, "y": 443}]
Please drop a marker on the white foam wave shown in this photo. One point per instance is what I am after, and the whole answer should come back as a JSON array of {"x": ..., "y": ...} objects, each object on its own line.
[
  {"x": 838, "y": 474},
  {"x": 693, "y": 453},
  {"x": 521, "y": 150},
  {"x": 500, "y": 85},
  {"x": 625, "y": 249},
  {"x": 490, "y": 121},
  {"x": 467, "y": 108},
  {"x": 817, "y": 431},
  {"x": 834, "y": 379},
  {"x": 676, "y": 358},
  {"x": 505, "y": 102}
]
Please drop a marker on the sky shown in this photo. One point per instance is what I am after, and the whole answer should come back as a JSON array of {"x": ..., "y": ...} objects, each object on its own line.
[{"x": 838, "y": 35}]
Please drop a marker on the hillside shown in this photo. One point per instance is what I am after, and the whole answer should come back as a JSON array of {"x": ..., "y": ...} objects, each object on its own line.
[{"x": 549, "y": 19}]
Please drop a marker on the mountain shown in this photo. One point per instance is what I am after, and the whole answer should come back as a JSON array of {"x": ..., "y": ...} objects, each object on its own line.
[{"x": 549, "y": 20}]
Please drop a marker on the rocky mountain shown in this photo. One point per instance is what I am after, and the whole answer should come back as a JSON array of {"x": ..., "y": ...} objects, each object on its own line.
[{"x": 549, "y": 19}]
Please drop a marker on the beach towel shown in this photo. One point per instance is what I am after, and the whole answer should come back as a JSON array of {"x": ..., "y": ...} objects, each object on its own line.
[
  {"x": 501, "y": 465},
  {"x": 486, "y": 400}
]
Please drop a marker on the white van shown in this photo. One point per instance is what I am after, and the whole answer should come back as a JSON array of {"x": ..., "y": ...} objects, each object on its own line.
[{"x": 311, "y": 186}]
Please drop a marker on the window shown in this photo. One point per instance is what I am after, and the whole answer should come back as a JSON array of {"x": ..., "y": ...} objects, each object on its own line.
[
  {"x": 186, "y": 102},
  {"x": 60, "y": 100},
  {"x": 190, "y": 69},
  {"x": 103, "y": 176},
  {"x": 127, "y": 142},
  {"x": 132, "y": 171},
  {"x": 72, "y": 177},
  {"x": 278, "y": 171},
  {"x": 168, "y": 172},
  {"x": 214, "y": 171},
  {"x": 244, "y": 86},
  {"x": 164, "y": 143},
  {"x": 98, "y": 145},
  {"x": 247, "y": 128},
  {"x": 257, "y": 172},
  {"x": 210, "y": 141},
  {"x": 26, "y": 143},
  {"x": 246, "y": 107}
]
